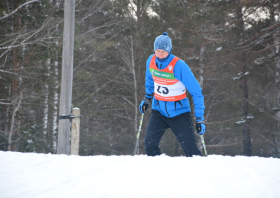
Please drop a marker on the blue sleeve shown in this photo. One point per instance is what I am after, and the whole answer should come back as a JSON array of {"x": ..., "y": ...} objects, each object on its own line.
[
  {"x": 183, "y": 73},
  {"x": 149, "y": 79}
]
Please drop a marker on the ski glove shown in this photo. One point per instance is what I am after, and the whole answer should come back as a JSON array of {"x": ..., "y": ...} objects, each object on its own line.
[
  {"x": 200, "y": 126},
  {"x": 144, "y": 105}
]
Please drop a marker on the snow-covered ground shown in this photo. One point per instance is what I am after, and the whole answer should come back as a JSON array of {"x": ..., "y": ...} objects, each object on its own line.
[{"x": 30, "y": 175}]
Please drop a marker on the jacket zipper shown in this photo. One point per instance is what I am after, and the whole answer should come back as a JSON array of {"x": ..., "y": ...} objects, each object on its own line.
[
  {"x": 157, "y": 103},
  {"x": 178, "y": 101},
  {"x": 166, "y": 110},
  {"x": 165, "y": 101}
]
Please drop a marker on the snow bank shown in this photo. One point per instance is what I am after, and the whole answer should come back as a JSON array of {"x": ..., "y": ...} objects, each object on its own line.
[{"x": 30, "y": 175}]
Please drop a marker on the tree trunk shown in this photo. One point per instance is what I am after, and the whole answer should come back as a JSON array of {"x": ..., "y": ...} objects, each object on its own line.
[
  {"x": 13, "y": 122},
  {"x": 55, "y": 111},
  {"x": 55, "y": 95},
  {"x": 277, "y": 68},
  {"x": 202, "y": 50},
  {"x": 135, "y": 87},
  {"x": 46, "y": 101},
  {"x": 15, "y": 81},
  {"x": 247, "y": 147},
  {"x": 277, "y": 80},
  {"x": 276, "y": 51}
]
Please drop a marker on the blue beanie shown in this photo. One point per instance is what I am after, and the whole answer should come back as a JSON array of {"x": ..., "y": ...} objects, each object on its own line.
[{"x": 163, "y": 42}]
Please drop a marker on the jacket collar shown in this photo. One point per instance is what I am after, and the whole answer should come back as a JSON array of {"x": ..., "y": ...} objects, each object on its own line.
[{"x": 163, "y": 63}]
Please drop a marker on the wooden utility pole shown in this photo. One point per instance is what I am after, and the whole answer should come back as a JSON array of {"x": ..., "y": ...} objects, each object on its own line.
[
  {"x": 63, "y": 146},
  {"x": 75, "y": 132}
]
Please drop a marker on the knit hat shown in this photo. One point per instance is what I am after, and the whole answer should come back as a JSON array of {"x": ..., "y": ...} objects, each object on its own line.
[{"x": 163, "y": 42}]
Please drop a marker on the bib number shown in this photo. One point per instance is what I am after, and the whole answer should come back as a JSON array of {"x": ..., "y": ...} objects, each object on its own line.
[{"x": 163, "y": 90}]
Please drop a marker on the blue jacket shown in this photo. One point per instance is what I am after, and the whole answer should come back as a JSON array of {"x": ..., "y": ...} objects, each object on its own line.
[{"x": 183, "y": 73}]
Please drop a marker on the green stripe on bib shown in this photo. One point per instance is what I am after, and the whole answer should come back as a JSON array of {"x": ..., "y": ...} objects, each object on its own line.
[{"x": 161, "y": 74}]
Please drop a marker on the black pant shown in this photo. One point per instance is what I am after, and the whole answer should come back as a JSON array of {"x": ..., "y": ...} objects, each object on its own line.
[{"x": 182, "y": 128}]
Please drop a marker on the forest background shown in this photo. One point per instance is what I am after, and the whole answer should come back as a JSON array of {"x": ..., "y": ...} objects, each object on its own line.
[{"x": 232, "y": 47}]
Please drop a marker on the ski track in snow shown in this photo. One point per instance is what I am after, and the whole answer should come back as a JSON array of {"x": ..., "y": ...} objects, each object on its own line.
[{"x": 31, "y": 175}]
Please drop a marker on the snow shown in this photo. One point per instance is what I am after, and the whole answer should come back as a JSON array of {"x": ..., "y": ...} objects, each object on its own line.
[
  {"x": 31, "y": 175},
  {"x": 219, "y": 48}
]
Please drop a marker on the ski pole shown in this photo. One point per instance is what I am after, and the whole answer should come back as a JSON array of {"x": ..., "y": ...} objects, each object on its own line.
[
  {"x": 138, "y": 135},
  {"x": 202, "y": 140}
]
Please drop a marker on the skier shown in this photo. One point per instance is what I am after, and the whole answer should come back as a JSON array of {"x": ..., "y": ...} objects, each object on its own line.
[{"x": 167, "y": 78}]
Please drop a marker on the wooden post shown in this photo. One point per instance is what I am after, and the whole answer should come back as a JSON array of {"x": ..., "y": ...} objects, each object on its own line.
[
  {"x": 63, "y": 146},
  {"x": 75, "y": 132}
]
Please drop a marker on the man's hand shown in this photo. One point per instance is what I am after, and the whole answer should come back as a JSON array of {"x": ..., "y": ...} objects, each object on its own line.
[
  {"x": 144, "y": 105},
  {"x": 200, "y": 126}
]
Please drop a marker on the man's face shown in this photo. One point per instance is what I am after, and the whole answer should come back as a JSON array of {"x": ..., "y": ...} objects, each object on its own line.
[{"x": 161, "y": 54}]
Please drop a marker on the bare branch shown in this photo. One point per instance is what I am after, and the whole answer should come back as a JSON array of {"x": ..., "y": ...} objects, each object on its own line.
[
  {"x": 18, "y": 9},
  {"x": 13, "y": 46},
  {"x": 264, "y": 30},
  {"x": 128, "y": 101},
  {"x": 12, "y": 73},
  {"x": 100, "y": 88},
  {"x": 22, "y": 43},
  {"x": 45, "y": 23},
  {"x": 117, "y": 115},
  {"x": 4, "y": 103},
  {"x": 8, "y": 48},
  {"x": 92, "y": 11}
]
